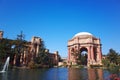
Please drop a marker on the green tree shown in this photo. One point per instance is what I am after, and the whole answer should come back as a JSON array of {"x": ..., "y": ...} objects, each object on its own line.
[
  {"x": 113, "y": 56},
  {"x": 43, "y": 56},
  {"x": 19, "y": 47},
  {"x": 5, "y": 48},
  {"x": 76, "y": 55},
  {"x": 118, "y": 60},
  {"x": 80, "y": 58},
  {"x": 106, "y": 62}
]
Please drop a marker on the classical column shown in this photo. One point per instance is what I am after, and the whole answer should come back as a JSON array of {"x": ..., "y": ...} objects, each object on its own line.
[
  {"x": 69, "y": 54},
  {"x": 37, "y": 51},
  {"x": 14, "y": 61},
  {"x": 92, "y": 53},
  {"x": 24, "y": 57},
  {"x": 100, "y": 53},
  {"x": 89, "y": 53},
  {"x": 56, "y": 57},
  {"x": 21, "y": 58}
]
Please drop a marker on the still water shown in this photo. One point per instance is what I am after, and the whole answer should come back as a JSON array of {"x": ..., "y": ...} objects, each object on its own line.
[{"x": 56, "y": 74}]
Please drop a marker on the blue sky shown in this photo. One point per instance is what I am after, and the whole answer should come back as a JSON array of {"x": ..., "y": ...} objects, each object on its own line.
[{"x": 57, "y": 21}]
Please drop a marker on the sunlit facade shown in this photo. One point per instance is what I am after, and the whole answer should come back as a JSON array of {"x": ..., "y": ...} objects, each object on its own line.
[{"x": 85, "y": 41}]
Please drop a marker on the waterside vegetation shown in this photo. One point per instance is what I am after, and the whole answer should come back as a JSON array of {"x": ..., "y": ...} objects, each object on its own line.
[
  {"x": 9, "y": 47},
  {"x": 12, "y": 48},
  {"x": 111, "y": 60}
]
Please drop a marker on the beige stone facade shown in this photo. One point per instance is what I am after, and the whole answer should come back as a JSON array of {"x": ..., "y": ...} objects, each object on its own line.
[
  {"x": 1, "y": 34},
  {"x": 30, "y": 51},
  {"x": 35, "y": 44},
  {"x": 85, "y": 41}
]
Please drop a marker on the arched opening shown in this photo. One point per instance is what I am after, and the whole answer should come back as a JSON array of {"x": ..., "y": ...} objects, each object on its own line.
[{"x": 83, "y": 56}]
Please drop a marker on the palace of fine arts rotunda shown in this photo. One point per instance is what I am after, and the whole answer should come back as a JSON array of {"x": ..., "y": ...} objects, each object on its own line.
[{"x": 85, "y": 49}]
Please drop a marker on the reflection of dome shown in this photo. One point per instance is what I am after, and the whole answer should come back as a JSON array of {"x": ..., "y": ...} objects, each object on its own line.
[{"x": 83, "y": 33}]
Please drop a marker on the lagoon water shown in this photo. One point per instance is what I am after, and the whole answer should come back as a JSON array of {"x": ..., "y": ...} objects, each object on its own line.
[{"x": 56, "y": 74}]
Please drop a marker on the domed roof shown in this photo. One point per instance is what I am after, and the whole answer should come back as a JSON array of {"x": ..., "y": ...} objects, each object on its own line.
[{"x": 83, "y": 33}]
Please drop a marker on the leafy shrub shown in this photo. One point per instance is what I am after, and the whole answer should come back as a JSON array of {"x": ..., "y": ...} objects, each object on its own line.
[
  {"x": 95, "y": 66},
  {"x": 31, "y": 65}
]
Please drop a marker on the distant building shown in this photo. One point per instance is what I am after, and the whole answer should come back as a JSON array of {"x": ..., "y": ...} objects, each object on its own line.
[
  {"x": 63, "y": 62},
  {"x": 54, "y": 57},
  {"x": 31, "y": 51}
]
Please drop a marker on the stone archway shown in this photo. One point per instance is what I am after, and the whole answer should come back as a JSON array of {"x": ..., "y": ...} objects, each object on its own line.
[
  {"x": 85, "y": 41},
  {"x": 83, "y": 55}
]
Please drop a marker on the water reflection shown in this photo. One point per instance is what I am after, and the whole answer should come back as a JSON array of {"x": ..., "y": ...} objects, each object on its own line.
[
  {"x": 56, "y": 74},
  {"x": 95, "y": 74},
  {"x": 4, "y": 76},
  {"x": 25, "y": 74},
  {"x": 77, "y": 74},
  {"x": 85, "y": 74}
]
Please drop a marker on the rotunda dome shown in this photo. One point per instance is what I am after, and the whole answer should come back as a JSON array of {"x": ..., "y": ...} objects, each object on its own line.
[{"x": 83, "y": 33}]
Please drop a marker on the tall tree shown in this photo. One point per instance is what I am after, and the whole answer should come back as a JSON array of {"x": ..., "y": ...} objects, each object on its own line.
[
  {"x": 19, "y": 47},
  {"x": 112, "y": 56},
  {"x": 5, "y": 48},
  {"x": 43, "y": 56},
  {"x": 79, "y": 57}
]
